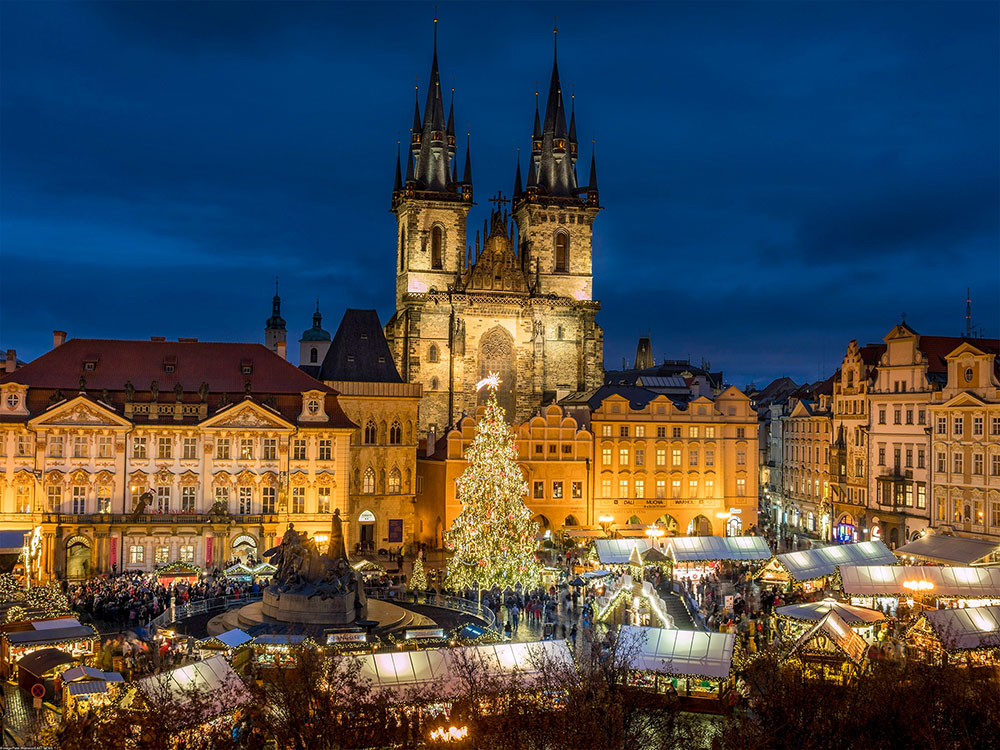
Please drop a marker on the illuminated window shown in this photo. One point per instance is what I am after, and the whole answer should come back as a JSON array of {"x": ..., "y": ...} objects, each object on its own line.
[
  {"x": 55, "y": 447},
  {"x": 576, "y": 489},
  {"x": 54, "y": 495},
  {"x": 661, "y": 456},
  {"x": 709, "y": 487},
  {"x": 299, "y": 499},
  {"x": 622, "y": 488},
  {"x": 188, "y": 495},
  {"x": 162, "y": 555},
  {"x": 640, "y": 488},
  {"x": 394, "y": 482},
  {"x": 368, "y": 484},
  {"x": 692, "y": 488},
  {"x": 81, "y": 447},
  {"x": 437, "y": 247},
  {"x": 163, "y": 499},
  {"x": 675, "y": 488},
  {"x": 640, "y": 430},
  {"x": 741, "y": 487},
  {"x": 557, "y": 490},
  {"x": 186, "y": 553},
  {"x": 323, "y": 500},
  {"x": 675, "y": 457},
  {"x": 245, "y": 499},
  {"x": 136, "y": 554},
  {"x": 606, "y": 456},
  {"x": 165, "y": 447},
  {"x": 692, "y": 432},
  {"x": 222, "y": 451},
  {"x": 562, "y": 252},
  {"x": 710, "y": 432},
  {"x": 623, "y": 456},
  {"x": 661, "y": 488},
  {"x": 246, "y": 449},
  {"x": 605, "y": 488},
  {"x": 325, "y": 450},
  {"x": 222, "y": 496}
]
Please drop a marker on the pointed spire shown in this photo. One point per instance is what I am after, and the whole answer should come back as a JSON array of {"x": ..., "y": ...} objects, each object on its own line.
[
  {"x": 409, "y": 168},
  {"x": 451, "y": 114},
  {"x": 537, "y": 132},
  {"x": 592, "y": 187},
  {"x": 276, "y": 321},
  {"x": 572, "y": 120},
  {"x": 467, "y": 177},
  {"x": 517, "y": 175},
  {"x": 416, "y": 109},
  {"x": 532, "y": 177},
  {"x": 397, "y": 185},
  {"x": 432, "y": 147}
]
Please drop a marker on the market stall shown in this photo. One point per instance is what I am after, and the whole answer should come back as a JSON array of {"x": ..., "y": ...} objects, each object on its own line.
[
  {"x": 233, "y": 644},
  {"x": 695, "y": 666},
  {"x": 945, "y": 549},
  {"x": 41, "y": 667},
  {"x": 85, "y": 687},
  {"x": 65, "y": 633},
  {"x": 805, "y": 614},
  {"x": 811, "y": 567},
  {"x": 177, "y": 572},
  {"x": 276, "y": 650},
  {"x": 619, "y": 551},
  {"x": 934, "y": 586},
  {"x": 830, "y": 651},
  {"x": 969, "y": 637},
  {"x": 697, "y": 556}
]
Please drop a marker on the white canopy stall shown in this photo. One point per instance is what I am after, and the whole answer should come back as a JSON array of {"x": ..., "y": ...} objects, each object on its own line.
[
  {"x": 210, "y": 688},
  {"x": 951, "y": 550},
  {"x": 968, "y": 636},
  {"x": 686, "y": 549},
  {"x": 618, "y": 551},
  {"x": 870, "y": 583},
  {"x": 815, "y": 564}
]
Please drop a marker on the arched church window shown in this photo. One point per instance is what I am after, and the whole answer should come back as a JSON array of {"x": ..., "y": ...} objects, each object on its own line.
[
  {"x": 562, "y": 252},
  {"x": 402, "y": 249},
  {"x": 432, "y": 353},
  {"x": 437, "y": 247},
  {"x": 434, "y": 384},
  {"x": 371, "y": 433},
  {"x": 850, "y": 378},
  {"x": 394, "y": 482},
  {"x": 396, "y": 433},
  {"x": 368, "y": 486},
  {"x": 496, "y": 354},
  {"x": 313, "y": 355}
]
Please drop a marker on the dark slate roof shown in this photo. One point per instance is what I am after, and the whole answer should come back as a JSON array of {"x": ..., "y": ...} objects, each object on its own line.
[
  {"x": 666, "y": 368},
  {"x": 776, "y": 391},
  {"x": 359, "y": 351},
  {"x": 637, "y": 397}
]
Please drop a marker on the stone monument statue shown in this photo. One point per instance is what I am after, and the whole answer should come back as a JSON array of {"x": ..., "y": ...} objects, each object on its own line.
[{"x": 338, "y": 550}]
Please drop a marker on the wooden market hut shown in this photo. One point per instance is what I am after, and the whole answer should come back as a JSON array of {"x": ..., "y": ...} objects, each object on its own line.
[
  {"x": 932, "y": 585},
  {"x": 41, "y": 667},
  {"x": 65, "y": 633},
  {"x": 830, "y": 651},
  {"x": 811, "y": 567},
  {"x": 945, "y": 549},
  {"x": 969, "y": 636},
  {"x": 696, "y": 665}
]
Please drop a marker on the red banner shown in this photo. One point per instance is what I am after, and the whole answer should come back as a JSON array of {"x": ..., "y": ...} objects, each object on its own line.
[
  {"x": 113, "y": 551},
  {"x": 208, "y": 552}
]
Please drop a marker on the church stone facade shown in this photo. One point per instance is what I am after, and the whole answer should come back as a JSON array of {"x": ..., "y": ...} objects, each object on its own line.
[{"x": 517, "y": 300}]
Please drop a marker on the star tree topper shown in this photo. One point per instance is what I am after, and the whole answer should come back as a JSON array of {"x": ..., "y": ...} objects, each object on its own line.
[{"x": 491, "y": 381}]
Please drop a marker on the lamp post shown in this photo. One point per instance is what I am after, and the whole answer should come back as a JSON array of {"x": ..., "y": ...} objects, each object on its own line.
[
  {"x": 606, "y": 523},
  {"x": 654, "y": 533}
]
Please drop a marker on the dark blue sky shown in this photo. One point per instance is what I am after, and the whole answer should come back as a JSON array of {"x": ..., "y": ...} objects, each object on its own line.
[{"x": 777, "y": 178}]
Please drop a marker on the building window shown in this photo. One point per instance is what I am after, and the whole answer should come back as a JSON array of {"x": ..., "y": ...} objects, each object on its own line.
[
  {"x": 956, "y": 462},
  {"x": 79, "y": 500},
  {"x": 539, "y": 490},
  {"x": 709, "y": 457},
  {"x": 661, "y": 456},
  {"x": 640, "y": 457},
  {"x": 567, "y": 448},
  {"x": 54, "y": 495},
  {"x": 881, "y": 455},
  {"x": 371, "y": 432},
  {"x": 920, "y": 458},
  {"x": 977, "y": 463},
  {"x": 162, "y": 555},
  {"x": 81, "y": 447},
  {"x": 909, "y": 458},
  {"x": 394, "y": 482},
  {"x": 222, "y": 497},
  {"x": 325, "y": 450},
  {"x": 186, "y": 552},
  {"x": 246, "y": 449},
  {"x": 190, "y": 448},
  {"x": 164, "y": 447},
  {"x": 245, "y": 500},
  {"x": 640, "y": 431},
  {"x": 557, "y": 490},
  {"x": 741, "y": 487},
  {"x": 539, "y": 449},
  {"x": 675, "y": 432},
  {"x": 921, "y": 496},
  {"x": 994, "y": 426},
  {"x": 623, "y": 430},
  {"x": 622, "y": 488},
  {"x": 432, "y": 353},
  {"x": 709, "y": 488},
  {"x": 942, "y": 425},
  {"x": 188, "y": 495},
  {"x": 623, "y": 456},
  {"x": 977, "y": 425},
  {"x": 958, "y": 425},
  {"x": 323, "y": 500},
  {"x": 996, "y": 515},
  {"x": 710, "y": 432},
  {"x": 908, "y": 494},
  {"x": 368, "y": 483},
  {"x": 661, "y": 488},
  {"x": 299, "y": 449},
  {"x": 606, "y": 430},
  {"x": 313, "y": 355},
  {"x": 162, "y": 499},
  {"x": 909, "y": 416},
  {"x": 661, "y": 432},
  {"x": 605, "y": 456},
  {"x": 692, "y": 488},
  {"x": 741, "y": 432},
  {"x": 267, "y": 496},
  {"x": 222, "y": 449},
  {"x": 675, "y": 488},
  {"x": 692, "y": 432},
  {"x": 576, "y": 488},
  {"x": 606, "y": 488},
  {"x": 881, "y": 416},
  {"x": 640, "y": 488},
  {"x": 23, "y": 445},
  {"x": 396, "y": 433},
  {"x": 55, "y": 447},
  {"x": 270, "y": 449},
  {"x": 675, "y": 457},
  {"x": 136, "y": 554},
  {"x": 897, "y": 416},
  {"x": 299, "y": 499},
  {"x": 941, "y": 462},
  {"x": 562, "y": 252},
  {"x": 741, "y": 458},
  {"x": 995, "y": 465},
  {"x": 692, "y": 458},
  {"x": 437, "y": 247}
]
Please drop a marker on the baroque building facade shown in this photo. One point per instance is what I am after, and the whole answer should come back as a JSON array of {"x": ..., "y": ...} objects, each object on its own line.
[
  {"x": 519, "y": 300},
  {"x": 130, "y": 454}
]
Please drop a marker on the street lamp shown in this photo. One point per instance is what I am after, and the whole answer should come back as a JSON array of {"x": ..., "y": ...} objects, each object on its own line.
[
  {"x": 654, "y": 533},
  {"x": 606, "y": 521}
]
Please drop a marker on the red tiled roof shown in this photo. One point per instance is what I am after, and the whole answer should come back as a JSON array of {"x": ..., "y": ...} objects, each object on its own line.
[
  {"x": 273, "y": 381},
  {"x": 936, "y": 348}
]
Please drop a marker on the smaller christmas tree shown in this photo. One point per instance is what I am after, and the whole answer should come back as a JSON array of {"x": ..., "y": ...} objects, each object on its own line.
[{"x": 418, "y": 580}]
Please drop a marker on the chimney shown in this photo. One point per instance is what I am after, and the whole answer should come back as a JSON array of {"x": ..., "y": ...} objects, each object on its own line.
[
  {"x": 281, "y": 350},
  {"x": 431, "y": 440},
  {"x": 58, "y": 338},
  {"x": 11, "y": 364}
]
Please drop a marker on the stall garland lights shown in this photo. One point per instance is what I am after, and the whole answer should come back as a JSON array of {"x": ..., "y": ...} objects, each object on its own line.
[
  {"x": 623, "y": 594},
  {"x": 493, "y": 538}
]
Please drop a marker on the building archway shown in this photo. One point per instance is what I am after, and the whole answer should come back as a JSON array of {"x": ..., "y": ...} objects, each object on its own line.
[
  {"x": 244, "y": 548},
  {"x": 78, "y": 557},
  {"x": 699, "y": 526},
  {"x": 669, "y": 524},
  {"x": 571, "y": 521},
  {"x": 634, "y": 521},
  {"x": 366, "y": 531},
  {"x": 846, "y": 530},
  {"x": 734, "y": 526},
  {"x": 496, "y": 354},
  {"x": 543, "y": 523},
  {"x": 893, "y": 538}
]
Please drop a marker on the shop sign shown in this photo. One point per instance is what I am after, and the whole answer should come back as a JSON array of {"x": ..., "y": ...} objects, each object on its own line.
[
  {"x": 366, "y": 517},
  {"x": 395, "y": 531}
]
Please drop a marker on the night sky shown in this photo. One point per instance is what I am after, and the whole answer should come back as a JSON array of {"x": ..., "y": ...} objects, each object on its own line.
[{"x": 777, "y": 178}]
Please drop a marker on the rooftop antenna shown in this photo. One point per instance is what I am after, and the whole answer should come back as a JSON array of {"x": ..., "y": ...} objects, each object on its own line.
[
  {"x": 275, "y": 286},
  {"x": 968, "y": 312}
]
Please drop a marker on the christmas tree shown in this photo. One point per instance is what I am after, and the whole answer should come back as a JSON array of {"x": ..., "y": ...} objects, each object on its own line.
[
  {"x": 418, "y": 580},
  {"x": 493, "y": 538}
]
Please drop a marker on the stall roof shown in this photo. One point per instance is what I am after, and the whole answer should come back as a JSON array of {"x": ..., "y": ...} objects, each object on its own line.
[
  {"x": 82, "y": 673},
  {"x": 810, "y": 564},
  {"x": 838, "y": 633},
  {"x": 230, "y": 639},
  {"x": 705, "y": 548},
  {"x": 679, "y": 652},
  {"x": 815, "y": 611},
  {"x": 968, "y": 628},
  {"x": 441, "y": 668},
  {"x": 279, "y": 639},
  {"x": 41, "y": 661},
  {"x": 51, "y": 635},
  {"x": 618, "y": 551},
  {"x": 95, "y": 687},
  {"x": 942, "y": 548},
  {"x": 933, "y": 580},
  {"x": 213, "y": 680},
  {"x": 585, "y": 533}
]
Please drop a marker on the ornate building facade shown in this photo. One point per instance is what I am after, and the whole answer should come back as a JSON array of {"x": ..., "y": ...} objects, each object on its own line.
[
  {"x": 129, "y": 454},
  {"x": 521, "y": 302}
]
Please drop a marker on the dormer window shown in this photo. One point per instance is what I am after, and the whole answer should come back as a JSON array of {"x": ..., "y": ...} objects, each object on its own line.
[
  {"x": 350, "y": 357},
  {"x": 246, "y": 368},
  {"x": 168, "y": 367},
  {"x": 968, "y": 374},
  {"x": 89, "y": 366},
  {"x": 364, "y": 336}
]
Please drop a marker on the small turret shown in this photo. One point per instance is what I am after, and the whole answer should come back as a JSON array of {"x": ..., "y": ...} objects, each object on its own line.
[{"x": 274, "y": 330}]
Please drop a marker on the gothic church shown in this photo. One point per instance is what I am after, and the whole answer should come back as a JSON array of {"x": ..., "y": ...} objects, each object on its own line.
[{"x": 519, "y": 300}]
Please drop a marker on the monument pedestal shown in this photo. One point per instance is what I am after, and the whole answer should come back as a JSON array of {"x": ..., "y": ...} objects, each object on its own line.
[{"x": 300, "y": 608}]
